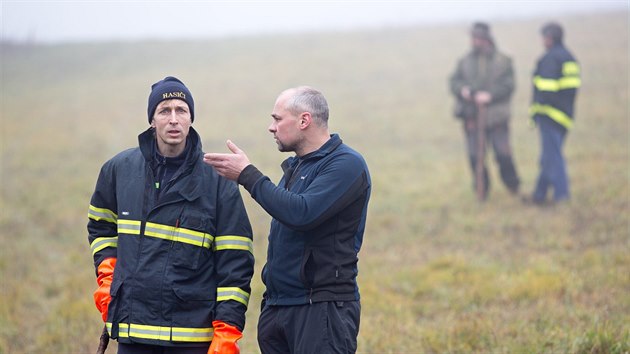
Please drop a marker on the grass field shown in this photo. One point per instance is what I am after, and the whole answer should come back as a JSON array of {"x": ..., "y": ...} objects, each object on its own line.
[{"x": 439, "y": 273}]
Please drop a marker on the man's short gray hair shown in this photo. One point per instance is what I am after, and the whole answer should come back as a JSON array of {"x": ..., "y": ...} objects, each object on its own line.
[{"x": 308, "y": 99}]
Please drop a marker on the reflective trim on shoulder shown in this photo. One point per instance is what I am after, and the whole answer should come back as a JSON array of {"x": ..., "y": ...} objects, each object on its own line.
[
  {"x": 232, "y": 293},
  {"x": 103, "y": 242},
  {"x": 161, "y": 333},
  {"x": 242, "y": 243},
  {"x": 570, "y": 68},
  {"x": 178, "y": 234},
  {"x": 99, "y": 214}
]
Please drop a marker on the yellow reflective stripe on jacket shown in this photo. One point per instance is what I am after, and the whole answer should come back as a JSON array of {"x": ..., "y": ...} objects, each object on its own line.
[
  {"x": 553, "y": 113},
  {"x": 169, "y": 334},
  {"x": 564, "y": 83},
  {"x": 128, "y": 227},
  {"x": 569, "y": 82},
  {"x": 242, "y": 243},
  {"x": 232, "y": 293},
  {"x": 178, "y": 234},
  {"x": 98, "y": 214},
  {"x": 103, "y": 242},
  {"x": 570, "y": 79},
  {"x": 543, "y": 84}
]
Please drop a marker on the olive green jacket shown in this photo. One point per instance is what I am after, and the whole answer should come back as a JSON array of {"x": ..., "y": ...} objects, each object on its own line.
[{"x": 490, "y": 72}]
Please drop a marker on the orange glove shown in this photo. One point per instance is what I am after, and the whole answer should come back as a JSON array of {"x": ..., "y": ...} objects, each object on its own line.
[
  {"x": 104, "y": 280},
  {"x": 224, "y": 340}
]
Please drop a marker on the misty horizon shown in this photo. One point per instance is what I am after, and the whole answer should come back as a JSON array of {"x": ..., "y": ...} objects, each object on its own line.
[{"x": 67, "y": 21}]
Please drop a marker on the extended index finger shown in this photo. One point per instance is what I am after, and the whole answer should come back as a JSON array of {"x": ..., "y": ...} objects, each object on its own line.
[{"x": 213, "y": 156}]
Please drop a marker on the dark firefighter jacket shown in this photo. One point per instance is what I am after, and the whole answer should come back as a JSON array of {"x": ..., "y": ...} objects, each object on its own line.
[
  {"x": 184, "y": 258},
  {"x": 556, "y": 80},
  {"x": 491, "y": 72},
  {"x": 319, "y": 211}
]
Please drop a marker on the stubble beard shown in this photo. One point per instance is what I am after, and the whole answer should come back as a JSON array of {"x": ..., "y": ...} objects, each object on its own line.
[{"x": 286, "y": 147}]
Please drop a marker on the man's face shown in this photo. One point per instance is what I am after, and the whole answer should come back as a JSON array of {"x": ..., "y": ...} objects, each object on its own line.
[
  {"x": 171, "y": 121},
  {"x": 285, "y": 126},
  {"x": 547, "y": 42},
  {"x": 479, "y": 44}
]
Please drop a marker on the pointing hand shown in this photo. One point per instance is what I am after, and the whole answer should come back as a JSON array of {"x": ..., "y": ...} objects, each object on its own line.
[{"x": 231, "y": 165}]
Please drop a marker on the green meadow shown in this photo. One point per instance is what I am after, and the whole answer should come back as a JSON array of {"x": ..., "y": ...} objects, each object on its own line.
[{"x": 439, "y": 272}]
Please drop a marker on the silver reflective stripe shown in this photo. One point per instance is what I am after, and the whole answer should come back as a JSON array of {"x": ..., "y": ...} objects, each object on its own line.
[
  {"x": 178, "y": 234},
  {"x": 233, "y": 243},
  {"x": 128, "y": 227},
  {"x": 98, "y": 214},
  {"x": 232, "y": 293},
  {"x": 103, "y": 242},
  {"x": 174, "y": 334}
]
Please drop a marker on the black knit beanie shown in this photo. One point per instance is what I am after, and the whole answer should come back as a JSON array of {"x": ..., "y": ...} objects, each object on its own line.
[
  {"x": 553, "y": 31},
  {"x": 170, "y": 88}
]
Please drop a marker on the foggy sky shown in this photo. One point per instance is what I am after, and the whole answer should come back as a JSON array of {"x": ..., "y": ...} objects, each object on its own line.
[{"x": 63, "y": 21}]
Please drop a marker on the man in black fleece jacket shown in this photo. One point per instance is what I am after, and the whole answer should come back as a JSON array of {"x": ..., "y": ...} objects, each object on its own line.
[{"x": 319, "y": 208}]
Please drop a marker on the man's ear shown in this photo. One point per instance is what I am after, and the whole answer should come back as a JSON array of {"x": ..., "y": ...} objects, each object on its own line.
[
  {"x": 152, "y": 123},
  {"x": 305, "y": 120}
]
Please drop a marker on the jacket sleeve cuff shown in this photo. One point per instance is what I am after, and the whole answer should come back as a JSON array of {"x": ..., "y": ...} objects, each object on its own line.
[{"x": 249, "y": 176}]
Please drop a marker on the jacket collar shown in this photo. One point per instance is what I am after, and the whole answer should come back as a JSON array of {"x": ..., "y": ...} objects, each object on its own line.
[
  {"x": 328, "y": 147},
  {"x": 192, "y": 189}
]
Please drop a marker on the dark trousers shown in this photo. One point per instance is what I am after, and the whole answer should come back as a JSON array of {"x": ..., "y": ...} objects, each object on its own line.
[
  {"x": 498, "y": 136},
  {"x": 156, "y": 349},
  {"x": 320, "y": 328},
  {"x": 553, "y": 171}
]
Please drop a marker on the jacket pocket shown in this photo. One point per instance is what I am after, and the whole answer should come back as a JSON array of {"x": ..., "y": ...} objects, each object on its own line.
[
  {"x": 192, "y": 244},
  {"x": 194, "y": 307},
  {"x": 308, "y": 269}
]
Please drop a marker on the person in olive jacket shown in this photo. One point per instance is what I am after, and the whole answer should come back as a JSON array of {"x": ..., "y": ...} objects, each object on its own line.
[
  {"x": 482, "y": 84},
  {"x": 319, "y": 209},
  {"x": 171, "y": 240}
]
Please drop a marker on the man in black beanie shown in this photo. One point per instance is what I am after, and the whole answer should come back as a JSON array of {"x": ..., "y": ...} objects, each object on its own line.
[{"x": 171, "y": 240}]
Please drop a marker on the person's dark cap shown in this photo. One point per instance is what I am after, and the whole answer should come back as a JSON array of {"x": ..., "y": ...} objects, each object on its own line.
[
  {"x": 481, "y": 30},
  {"x": 553, "y": 31},
  {"x": 169, "y": 88}
]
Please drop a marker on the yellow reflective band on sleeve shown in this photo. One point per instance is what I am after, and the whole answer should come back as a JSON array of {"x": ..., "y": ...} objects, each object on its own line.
[
  {"x": 553, "y": 113},
  {"x": 550, "y": 85},
  {"x": 103, "y": 242},
  {"x": 131, "y": 227},
  {"x": 570, "y": 68},
  {"x": 233, "y": 293},
  {"x": 167, "y": 334},
  {"x": 543, "y": 84},
  {"x": 242, "y": 243},
  {"x": 178, "y": 234},
  {"x": 99, "y": 214},
  {"x": 569, "y": 82}
]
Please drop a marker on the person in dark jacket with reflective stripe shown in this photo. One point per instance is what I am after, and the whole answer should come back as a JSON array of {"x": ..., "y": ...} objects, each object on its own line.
[
  {"x": 171, "y": 240},
  {"x": 319, "y": 208},
  {"x": 555, "y": 84}
]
